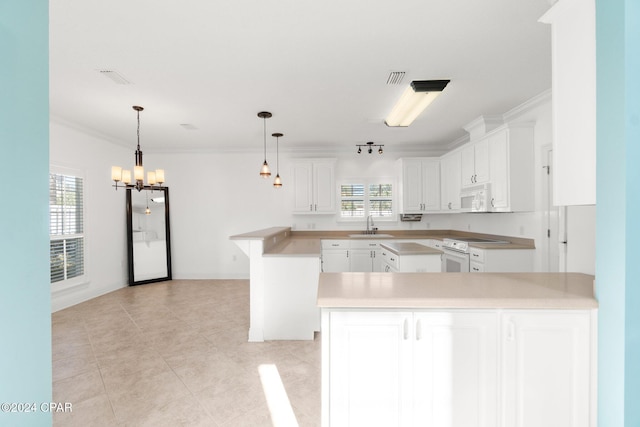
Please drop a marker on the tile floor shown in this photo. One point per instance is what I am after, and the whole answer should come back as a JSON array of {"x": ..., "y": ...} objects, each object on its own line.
[{"x": 176, "y": 354}]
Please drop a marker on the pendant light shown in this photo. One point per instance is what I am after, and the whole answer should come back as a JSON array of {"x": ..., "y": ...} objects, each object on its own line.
[
  {"x": 153, "y": 177},
  {"x": 265, "y": 172},
  {"x": 277, "y": 183}
]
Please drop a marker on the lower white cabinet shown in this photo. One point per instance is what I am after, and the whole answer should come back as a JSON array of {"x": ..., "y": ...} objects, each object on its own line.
[
  {"x": 458, "y": 368},
  {"x": 500, "y": 260}
]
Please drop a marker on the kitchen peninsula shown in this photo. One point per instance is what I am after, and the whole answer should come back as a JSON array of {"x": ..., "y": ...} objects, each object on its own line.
[
  {"x": 284, "y": 268},
  {"x": 458, "y": 349}
]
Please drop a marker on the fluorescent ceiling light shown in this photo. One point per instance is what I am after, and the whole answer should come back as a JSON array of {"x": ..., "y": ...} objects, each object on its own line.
[{"x": 414, "y": 100}]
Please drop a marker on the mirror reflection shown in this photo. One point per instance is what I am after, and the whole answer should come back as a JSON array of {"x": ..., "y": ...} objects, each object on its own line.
[{"x": 148, "y": 236}]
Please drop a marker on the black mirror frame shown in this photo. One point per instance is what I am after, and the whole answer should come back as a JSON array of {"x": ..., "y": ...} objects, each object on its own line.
[{"x": 132, "y": 281}]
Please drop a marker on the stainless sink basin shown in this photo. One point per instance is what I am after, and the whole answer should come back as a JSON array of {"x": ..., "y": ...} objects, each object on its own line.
[{"x": 368, "y": 236}]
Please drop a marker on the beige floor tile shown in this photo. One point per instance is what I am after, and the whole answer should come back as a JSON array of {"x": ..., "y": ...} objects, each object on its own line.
[{"x": 175, "y": 354}]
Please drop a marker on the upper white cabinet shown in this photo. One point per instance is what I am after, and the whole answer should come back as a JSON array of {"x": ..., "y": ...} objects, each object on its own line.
[
  {"x": 314, "y": 186},
  {"x": 474, "y": 162},
  {"x": 511, "y": 162},
  {"x": 419, "y": 191},
  {"x": 450, "y": 184},
  {"x": 573, "y": 56}
]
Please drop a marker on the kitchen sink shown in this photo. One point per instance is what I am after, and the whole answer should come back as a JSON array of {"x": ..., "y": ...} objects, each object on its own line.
[{"x": 369, "y": 236}]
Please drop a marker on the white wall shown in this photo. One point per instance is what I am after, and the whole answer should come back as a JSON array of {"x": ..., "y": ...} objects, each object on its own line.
[{"x": 105, "y": 219}]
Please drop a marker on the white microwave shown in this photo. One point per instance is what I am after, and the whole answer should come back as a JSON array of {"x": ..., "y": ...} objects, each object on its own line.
[{"x": 476, "y": 199}]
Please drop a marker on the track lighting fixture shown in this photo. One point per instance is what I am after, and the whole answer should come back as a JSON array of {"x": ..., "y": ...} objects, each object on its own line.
[{"x": 369, "y": 146}]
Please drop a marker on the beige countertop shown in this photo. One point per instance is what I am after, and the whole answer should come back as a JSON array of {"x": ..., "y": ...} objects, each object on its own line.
[
  {"x": 457, "y": 290},
  {"x": 409, "y": 248},
  {"x": 282, "y": 241}
]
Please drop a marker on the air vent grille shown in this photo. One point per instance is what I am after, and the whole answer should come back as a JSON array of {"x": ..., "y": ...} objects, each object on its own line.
[
  {"x": 395, "y": 77},
  {"x": 115, "y": 77}
]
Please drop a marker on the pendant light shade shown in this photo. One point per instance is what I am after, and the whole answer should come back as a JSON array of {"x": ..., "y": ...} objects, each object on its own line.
[
  {"x": 265, "y": 172},
  {"x": 277, "y": 183}
]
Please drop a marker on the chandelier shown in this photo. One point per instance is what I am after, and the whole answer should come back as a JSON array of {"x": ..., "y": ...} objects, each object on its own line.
[
  {"x": 369, "y": 145},
  {"x": 155, "y": 179}
]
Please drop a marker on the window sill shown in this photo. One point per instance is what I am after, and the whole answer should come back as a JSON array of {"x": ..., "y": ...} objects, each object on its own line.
[{"x": 70, "y": 284}]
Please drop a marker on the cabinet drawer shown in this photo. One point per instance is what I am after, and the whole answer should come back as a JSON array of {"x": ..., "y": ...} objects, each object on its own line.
[
  {"x": 335, "y": 244},
  {"x": 365, "y": 244},
  {"x": 390, "y": 258},
  {"x": 476, "y": 267},
  {"x": 476, "y": 254}
]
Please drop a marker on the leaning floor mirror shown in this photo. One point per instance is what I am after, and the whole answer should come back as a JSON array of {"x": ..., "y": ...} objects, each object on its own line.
[{"x": 148, "y": 236}]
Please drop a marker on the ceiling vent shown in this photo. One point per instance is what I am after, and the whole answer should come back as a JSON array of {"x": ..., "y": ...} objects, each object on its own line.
[
  {"x": 115, "y": 77},
  {"x": 395, "y": 77},
  {"x": 188, "y": 126}
]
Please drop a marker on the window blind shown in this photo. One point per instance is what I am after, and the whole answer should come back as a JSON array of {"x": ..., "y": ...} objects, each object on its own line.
[{"x": 66, "y": 227}]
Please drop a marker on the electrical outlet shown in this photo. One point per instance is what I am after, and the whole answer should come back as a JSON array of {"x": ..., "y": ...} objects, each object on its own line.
[
  {"x": 469, "y": 227},
  {"x": 522, "y": 230},
  {"x": 428, "y": 225}
]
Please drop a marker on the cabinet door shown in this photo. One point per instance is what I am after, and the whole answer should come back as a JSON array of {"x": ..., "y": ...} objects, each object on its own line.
[
  {"x": 335, "y": 261},
  {"x": 431, "y": 185},
  {"x": 324, "y": 187},
  {"x": 546, "y": 369},
  {"x": 481, "y": 153},
  {"x": 467, "y": 166},
  {"x": 302, "y": 173},
  {"x": 455, "y": 369},
  {"x": 370, "y": 369},
  {"x": 361, "y": 260},
  {"x": 498, "y": 164},
  {"x": 412, "y": 186},
  {"x": 451, "y": 183}
]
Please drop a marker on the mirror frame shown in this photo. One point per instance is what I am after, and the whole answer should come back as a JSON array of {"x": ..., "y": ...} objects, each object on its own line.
[{"x": 132, "y": 281}]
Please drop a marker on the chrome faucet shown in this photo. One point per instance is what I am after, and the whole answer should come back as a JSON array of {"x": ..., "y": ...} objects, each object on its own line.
[{"x": 371, "y": 230}]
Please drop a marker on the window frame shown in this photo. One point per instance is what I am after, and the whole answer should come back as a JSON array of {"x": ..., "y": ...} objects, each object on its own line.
[
  {"x": 84, "y": 277},
  {"x": 367, "y": 182}
]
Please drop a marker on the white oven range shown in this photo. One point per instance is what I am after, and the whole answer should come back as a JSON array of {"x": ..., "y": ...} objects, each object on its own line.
[{"x": 455, "y": 253}]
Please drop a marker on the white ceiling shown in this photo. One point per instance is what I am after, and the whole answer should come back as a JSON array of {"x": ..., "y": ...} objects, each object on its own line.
[{"x": 320, "y": 67}]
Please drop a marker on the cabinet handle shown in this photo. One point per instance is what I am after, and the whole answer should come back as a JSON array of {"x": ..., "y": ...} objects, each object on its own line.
[
  {"x": 449, "y": 205},
  {"x": 347, "y": 254},
  {"x": 311, "y": 207},
  {"x": 475, "y": 255},
  {"x": 418, "y": 330},
  {"x": 373, "y": 254},
  {"x": 392, "y": 259},
  {"x": 476, "y": 269},
  {"x": 511, "y": 331},
  {"x": 405, "y": 328},
  {"x": 316, "y": 207},
  {"x": 492, "y": 202}
]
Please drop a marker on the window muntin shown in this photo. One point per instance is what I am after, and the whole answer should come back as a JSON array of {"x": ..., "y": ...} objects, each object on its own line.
[
  {"x": 360, "y": 199},
  {"x": 66, "y": 227}
]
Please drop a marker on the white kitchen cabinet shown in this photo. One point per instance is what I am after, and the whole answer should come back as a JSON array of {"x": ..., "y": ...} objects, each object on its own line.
[
  {"x": 418, "y": 263},
  {"x": 389, "y": 368},
  {"x": 511, "y": 165},
  {"x": 474, "y": 163},
  {"x": 335, "y": 256},
  {"x": 419, "y": 191},
  {"x": 455, "y": 380},
  {"x": 573, "y": 59},
  {"x": 364, "y": 256},
  {"x": 455, "y": 368},
  {"x": 314, "y": 187},
  {"x": 370, "y": 358},
  {"x": 450, "y": 184},
  {"x": 500, "y": 260},
  {"x": 548, "y": 371}
]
